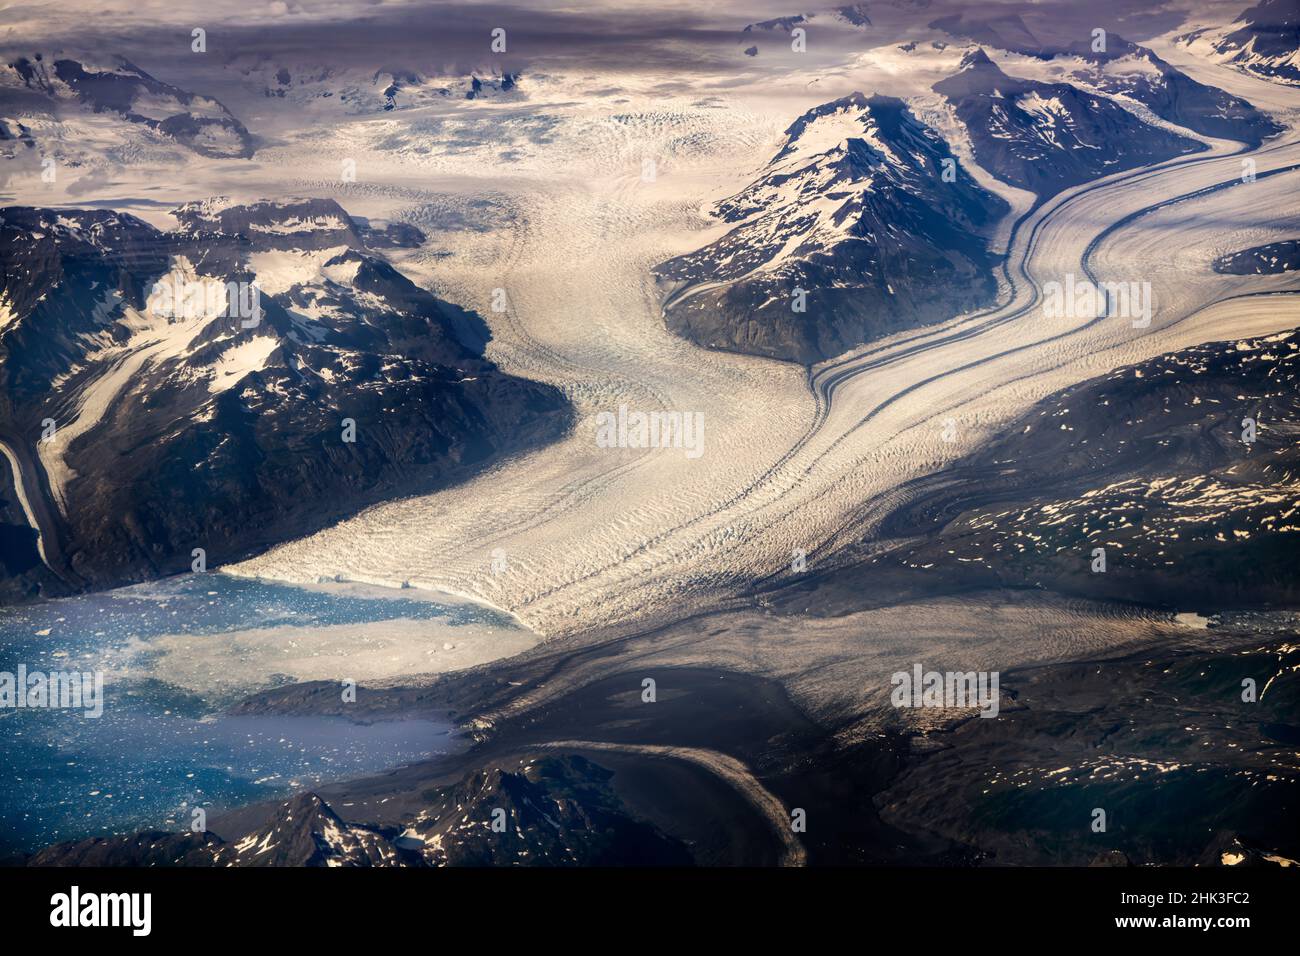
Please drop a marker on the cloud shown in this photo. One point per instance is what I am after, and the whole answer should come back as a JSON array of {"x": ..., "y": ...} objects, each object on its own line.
[
  {"x": 95, "y": 181},
  {"x": 411, "y": 33}
]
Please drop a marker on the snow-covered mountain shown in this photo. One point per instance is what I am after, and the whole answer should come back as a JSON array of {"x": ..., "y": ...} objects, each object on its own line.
[
  {"x": 1045, "y": 137},
  {"x": 1264, "y": 40},
  {"x": 1122, "y": 69},
  {"x": 188, "y": 418},
  {"x": 200, "y": 123},
  {"x": 1135, "y": 72},
  {"x": 855, "y": 211},
  {"x": 359, "y": 91}
]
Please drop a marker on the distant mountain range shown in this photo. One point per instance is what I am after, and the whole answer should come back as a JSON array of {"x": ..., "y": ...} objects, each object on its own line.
[
  {"x": 358, "y": 91},
  {"x": 41, "y": 93},
  {"x": 1045, "y": 137},
  {"x": 1264, "y": 41},
  {"x": 855, "y": 211},
  {"x": 200, "y": 123},
  {"x": 1124, "y": 69},
  {"x": 200, "y": 427}
]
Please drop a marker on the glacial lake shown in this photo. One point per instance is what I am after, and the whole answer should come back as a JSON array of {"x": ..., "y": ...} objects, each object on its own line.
[{"x": 176, "y": 654}]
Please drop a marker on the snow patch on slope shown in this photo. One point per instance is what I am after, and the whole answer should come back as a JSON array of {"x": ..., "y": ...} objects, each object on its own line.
[
  {"x": 233, "y": 364},
  {"x": 279, "y": 270}
]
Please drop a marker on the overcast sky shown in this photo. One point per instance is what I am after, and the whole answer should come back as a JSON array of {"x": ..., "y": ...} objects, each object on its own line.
[{"x": 415, "y": 34}]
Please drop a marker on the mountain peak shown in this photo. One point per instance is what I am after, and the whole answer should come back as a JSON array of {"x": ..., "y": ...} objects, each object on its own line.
[
  {"x": 868, "y": 128},
  {"x": 975, "y": 59},
  {"x": 1041, "y": 136},
  {"x": 854, "y": 204}
]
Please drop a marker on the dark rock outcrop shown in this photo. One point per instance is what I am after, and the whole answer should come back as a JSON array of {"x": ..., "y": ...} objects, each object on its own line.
[
  {"x": 1181, "y": 468},
  {"x": 555, "y": 811},
  {"x": 1272, "y": 258}
]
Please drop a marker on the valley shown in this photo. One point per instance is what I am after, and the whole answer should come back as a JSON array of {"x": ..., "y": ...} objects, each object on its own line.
[{"x": 460, "y": 578}]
